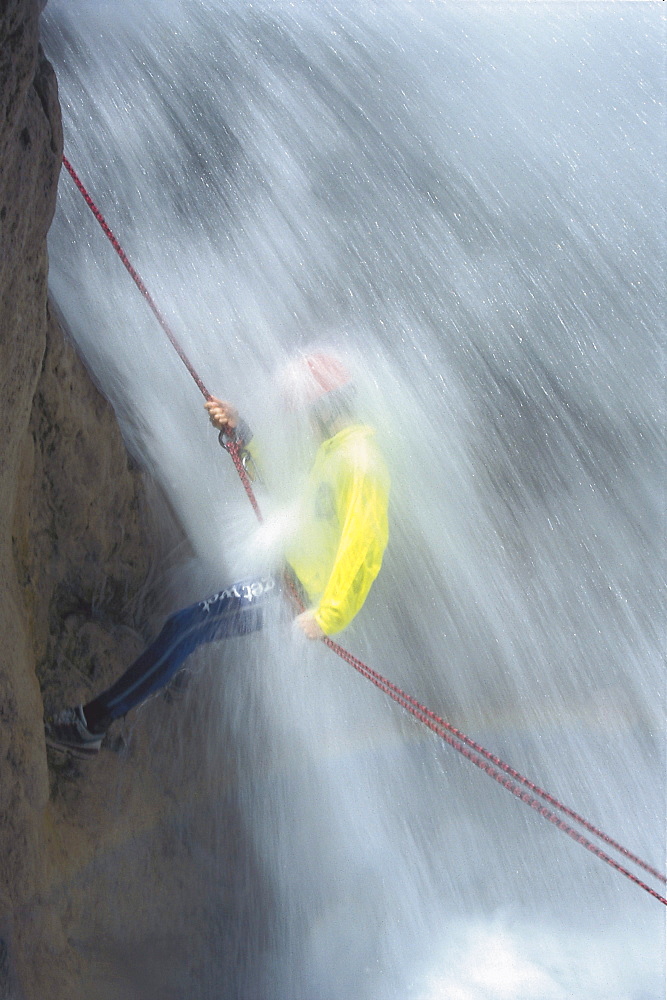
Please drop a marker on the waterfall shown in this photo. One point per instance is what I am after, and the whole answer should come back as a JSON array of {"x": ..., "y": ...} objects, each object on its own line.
[{"x": 467, "y": 200}]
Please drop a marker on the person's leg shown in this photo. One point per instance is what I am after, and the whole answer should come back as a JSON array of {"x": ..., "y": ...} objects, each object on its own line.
[
  {"x": 232, "y": 612},
  {"x": 236, "y": 611}
]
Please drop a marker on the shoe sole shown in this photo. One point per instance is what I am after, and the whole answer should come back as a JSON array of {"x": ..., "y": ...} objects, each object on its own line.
[{"x": 81, "y": 752}]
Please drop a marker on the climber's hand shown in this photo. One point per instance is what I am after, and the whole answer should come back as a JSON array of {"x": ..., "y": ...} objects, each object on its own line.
[
  {"x": 308, "y": 625},
  {"x": 222, "y": 415}
]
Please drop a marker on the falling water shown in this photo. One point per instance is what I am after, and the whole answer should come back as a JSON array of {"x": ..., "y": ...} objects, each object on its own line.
[{"x": 465, "y": 198}]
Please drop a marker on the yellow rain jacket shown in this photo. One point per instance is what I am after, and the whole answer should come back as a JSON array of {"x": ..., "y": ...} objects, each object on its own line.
[{"x": 343, "y": 529}]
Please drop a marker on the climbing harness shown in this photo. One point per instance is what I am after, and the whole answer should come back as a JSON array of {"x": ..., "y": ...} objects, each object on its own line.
[{"x": 488, "y": 762}]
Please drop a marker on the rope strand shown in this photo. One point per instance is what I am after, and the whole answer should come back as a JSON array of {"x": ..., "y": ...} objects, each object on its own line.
[
  {"x": 468, "y": 748},
  {"x": 444, "y": 730},
  {"x": 136, "y": 279},
  {"x": 478, "y": 748}
]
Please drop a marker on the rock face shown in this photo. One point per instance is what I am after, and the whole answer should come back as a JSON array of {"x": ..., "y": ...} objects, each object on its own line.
[
  {"x": 75, "y": 551},
  {"x": 30, "y": 149},
  {"x": 118, "y": 876}
]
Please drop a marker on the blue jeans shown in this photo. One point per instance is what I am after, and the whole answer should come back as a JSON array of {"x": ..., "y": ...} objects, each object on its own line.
[{"x": 238, "y": 610}]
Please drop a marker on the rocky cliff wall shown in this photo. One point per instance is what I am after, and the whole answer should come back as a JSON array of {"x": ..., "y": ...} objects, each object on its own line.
[
  {"x": 30, "y": 147},
  {"x": 90, "y": 870}
]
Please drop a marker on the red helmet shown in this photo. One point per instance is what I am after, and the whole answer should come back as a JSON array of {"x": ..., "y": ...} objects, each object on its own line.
[{"x": 309, "y": 377}]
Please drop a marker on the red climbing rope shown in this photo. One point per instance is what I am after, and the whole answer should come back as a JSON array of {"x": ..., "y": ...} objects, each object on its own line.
[
  {"x": 444, "y": 730},
  {"x": 231, "y": 446},
  {"x": 472, "y": 751},
  {"x": 136, "y": 279},
  {"x": 440, "y": 724},
  {"x": 234, "y": 450}
]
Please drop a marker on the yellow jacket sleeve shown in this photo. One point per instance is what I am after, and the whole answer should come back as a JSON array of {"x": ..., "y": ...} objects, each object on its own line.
[{"x": 361, "y": 502}]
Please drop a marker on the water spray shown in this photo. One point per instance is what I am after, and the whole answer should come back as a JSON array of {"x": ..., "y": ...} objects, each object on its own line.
[{"x": 503, "y": 773}]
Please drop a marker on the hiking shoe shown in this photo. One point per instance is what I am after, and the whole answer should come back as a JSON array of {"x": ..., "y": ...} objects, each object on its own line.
[{"x": 69, "y": 733}]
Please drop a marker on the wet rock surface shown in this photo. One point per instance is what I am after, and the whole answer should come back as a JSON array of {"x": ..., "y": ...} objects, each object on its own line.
[{"x": 94, "y": 881}]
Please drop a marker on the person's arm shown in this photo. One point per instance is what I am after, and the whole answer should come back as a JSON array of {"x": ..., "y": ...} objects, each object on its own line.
[{"x": 362, "y": 511}]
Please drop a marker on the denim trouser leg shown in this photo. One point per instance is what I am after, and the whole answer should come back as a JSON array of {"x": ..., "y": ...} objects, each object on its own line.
[{"x": 238, "y": 610}]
